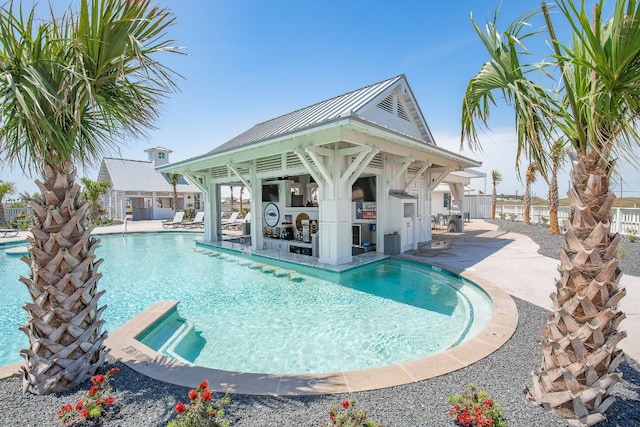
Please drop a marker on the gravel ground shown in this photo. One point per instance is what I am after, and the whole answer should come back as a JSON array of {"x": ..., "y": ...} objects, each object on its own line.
[{"x": 143, "y": 402}]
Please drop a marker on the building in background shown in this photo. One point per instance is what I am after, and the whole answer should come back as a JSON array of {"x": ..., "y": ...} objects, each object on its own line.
[{"x": 142, "y": 193}]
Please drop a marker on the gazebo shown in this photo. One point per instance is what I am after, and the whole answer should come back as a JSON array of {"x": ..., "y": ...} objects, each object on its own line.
[{"x": 347, "y": 175}]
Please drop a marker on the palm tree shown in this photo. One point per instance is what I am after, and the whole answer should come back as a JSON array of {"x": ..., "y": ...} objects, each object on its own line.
[
  {"x": 241, "y": 191},
  {"x": 92, "y": 192},
  {"x": 592, "y": 100},
  {"x": 26, "y": 198},
  {"x": 175, "y": 179},
  {"x": 496, "y": 178},
  {"x": 530, "y": 178},
  {"x": 557, "y": 157},
  {"x": 231, "y": 200},
  {"x": 71, "y": 89},
  {"x": 6, "y": 189}
]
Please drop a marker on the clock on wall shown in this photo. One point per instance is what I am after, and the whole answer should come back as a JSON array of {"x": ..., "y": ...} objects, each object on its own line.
[{"x": 271, "y": 214}]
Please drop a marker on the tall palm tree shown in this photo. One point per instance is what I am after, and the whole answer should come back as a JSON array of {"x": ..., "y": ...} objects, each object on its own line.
[
  {"x": 92, "y": 192},
  {"x": 6, "y": 188},
  {"x": 592, "y": 99},
  {"x": 71, "y": 88},
  {"x": 496, "y": 178},
  {"x": 175, "y": 178},
  {"x": 241, "y": 191},
  {"x": 530, "y": 178},
  {"x": 557, "y": 158},
  {"x": 231, "y": 200}
]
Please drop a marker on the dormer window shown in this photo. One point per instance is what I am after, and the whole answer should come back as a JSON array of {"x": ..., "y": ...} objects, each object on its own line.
[{"x": 161, "y": 156}]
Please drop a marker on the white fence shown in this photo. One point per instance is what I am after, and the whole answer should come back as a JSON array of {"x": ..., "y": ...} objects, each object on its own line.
[
  {"x": 11, "y": 213},
  {"x": 478, "y": 207},
  {"x": 625, "y": 221}
]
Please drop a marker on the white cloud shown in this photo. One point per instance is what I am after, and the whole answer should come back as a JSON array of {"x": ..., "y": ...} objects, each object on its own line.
[{"x": 499, "y": 148}]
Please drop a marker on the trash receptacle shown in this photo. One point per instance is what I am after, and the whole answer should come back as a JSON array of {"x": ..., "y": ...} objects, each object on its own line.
[
  {"x": 246, "y": 228},
  {"x": 455, "y": 224}
]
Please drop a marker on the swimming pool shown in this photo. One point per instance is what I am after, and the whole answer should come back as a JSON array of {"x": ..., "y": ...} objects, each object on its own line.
[{"x": 245, "y": 316}]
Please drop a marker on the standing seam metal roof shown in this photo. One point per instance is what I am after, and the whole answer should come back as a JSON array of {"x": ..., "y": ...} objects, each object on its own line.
[
  {"x": 138, "y": 175},
  {"x": 324, "y": 111}
]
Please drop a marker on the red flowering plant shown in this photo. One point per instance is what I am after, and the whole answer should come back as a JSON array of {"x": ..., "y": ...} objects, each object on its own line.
[
  {"x": 92, "y": 406},
  {"x": 346, "y": 415},
  {"x": 474, "y": 408},
  {"x": 201, "y": 411}
]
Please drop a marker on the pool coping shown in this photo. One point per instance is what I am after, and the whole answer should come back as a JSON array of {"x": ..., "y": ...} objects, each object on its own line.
[{"x": 123, "y": 346}]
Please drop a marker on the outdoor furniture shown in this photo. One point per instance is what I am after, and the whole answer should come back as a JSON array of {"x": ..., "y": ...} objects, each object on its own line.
[
  {"x": 8, "y": 232},
  {"x": 198, "y": 221},
  {"x": 231, "y": 221},
  {"x": 176, "y": 222}
]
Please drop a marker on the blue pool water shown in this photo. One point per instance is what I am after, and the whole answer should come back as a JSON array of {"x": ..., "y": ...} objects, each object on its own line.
[{"x": 253, "y": 314}]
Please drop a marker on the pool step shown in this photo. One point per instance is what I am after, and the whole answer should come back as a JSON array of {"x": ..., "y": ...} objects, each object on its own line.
[
  {"x": 18, "y": 250},
  {"x": 169, "y": 347},
  {"x": 265, "y": 268},
  {"x": 256, "y": 265},
  {"x": 296, "y": 277},
  {"x": 283, "y": 273},
  {"x": 269, "y": 269}
]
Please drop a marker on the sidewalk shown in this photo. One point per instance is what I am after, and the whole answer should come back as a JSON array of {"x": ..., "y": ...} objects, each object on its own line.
[{"x": 511, "y": 261}]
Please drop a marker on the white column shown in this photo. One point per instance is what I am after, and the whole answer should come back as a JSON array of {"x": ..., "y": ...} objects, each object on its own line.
[
  {"x": 335, "y": 217},
  {"x": 256, "y": 210},
  {"x": 212, "y": 212},
  {"x": 154, "y": 200}
]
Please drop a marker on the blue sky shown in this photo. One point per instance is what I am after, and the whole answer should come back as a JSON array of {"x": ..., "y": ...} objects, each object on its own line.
[{"x": 252, "y": 60}]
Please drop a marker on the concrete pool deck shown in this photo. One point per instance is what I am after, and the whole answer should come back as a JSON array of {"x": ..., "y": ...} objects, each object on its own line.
[{"x": 502, "y": 263}]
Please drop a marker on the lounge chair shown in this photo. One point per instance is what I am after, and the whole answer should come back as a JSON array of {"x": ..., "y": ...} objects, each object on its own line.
[
  {"x": 198, "y": 221},
  {"x": 8, "y": 232},
  {"x": 175, "y": 222},
  {"x": 231, "y": 221}
]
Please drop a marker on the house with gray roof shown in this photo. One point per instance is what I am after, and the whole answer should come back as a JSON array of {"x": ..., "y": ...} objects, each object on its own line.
[
  {"x": 334, "y": 179},
  {"x": 141, "y": 192}
]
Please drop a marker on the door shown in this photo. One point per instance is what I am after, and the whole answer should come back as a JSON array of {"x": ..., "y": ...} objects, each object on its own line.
[{"x": 408, "y": 226}]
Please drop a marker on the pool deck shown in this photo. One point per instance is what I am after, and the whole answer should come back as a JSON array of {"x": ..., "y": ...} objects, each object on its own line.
[{"x": 502, "y": 263}]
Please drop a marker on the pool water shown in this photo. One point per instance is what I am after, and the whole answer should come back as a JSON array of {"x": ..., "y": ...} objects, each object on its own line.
[{"x": 252, "y": 314}]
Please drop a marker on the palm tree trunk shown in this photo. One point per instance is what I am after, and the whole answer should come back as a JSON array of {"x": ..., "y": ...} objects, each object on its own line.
[
  {"x": 3, "y": 218},
  {"x": 526, "y": 205},
  {"x": 579, "y": 345},
  {"x": 494, "y": 197},
  {"x": 554, "y": 227},
  {"x": 64, "y": 322},
  {"x": 174, "y": 201}
]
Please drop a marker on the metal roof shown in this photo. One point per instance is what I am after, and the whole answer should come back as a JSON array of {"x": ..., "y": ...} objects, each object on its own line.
[
  {"x": 137, "y": 175},
  {"x": 324, "y": 111}
]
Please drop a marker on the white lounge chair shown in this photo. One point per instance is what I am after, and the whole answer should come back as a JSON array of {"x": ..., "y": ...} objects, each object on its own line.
[
  {"x": 8, "y": 232},
  {"x": 198, "y": 221},
  {"x": 175, "y": 222},
  {"x": 232, "y": 220}
]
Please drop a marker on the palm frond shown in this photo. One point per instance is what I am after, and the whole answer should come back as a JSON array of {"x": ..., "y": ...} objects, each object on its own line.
[
  {"x": 75, "y": 88},
  {"x": 506, "y": 75}
]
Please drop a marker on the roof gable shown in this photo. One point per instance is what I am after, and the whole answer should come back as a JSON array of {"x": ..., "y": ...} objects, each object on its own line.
[{"x": 389, "y": 103}]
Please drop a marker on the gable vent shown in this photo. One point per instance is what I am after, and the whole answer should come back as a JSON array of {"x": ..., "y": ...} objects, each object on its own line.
[
  {"x": 293, "y": 161},
  {"x": 387, "y": 104},
  {"x": 266, "y": 164},
  {"x": 219, "y": 172},
  {"x": 402, "y": 113}
]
